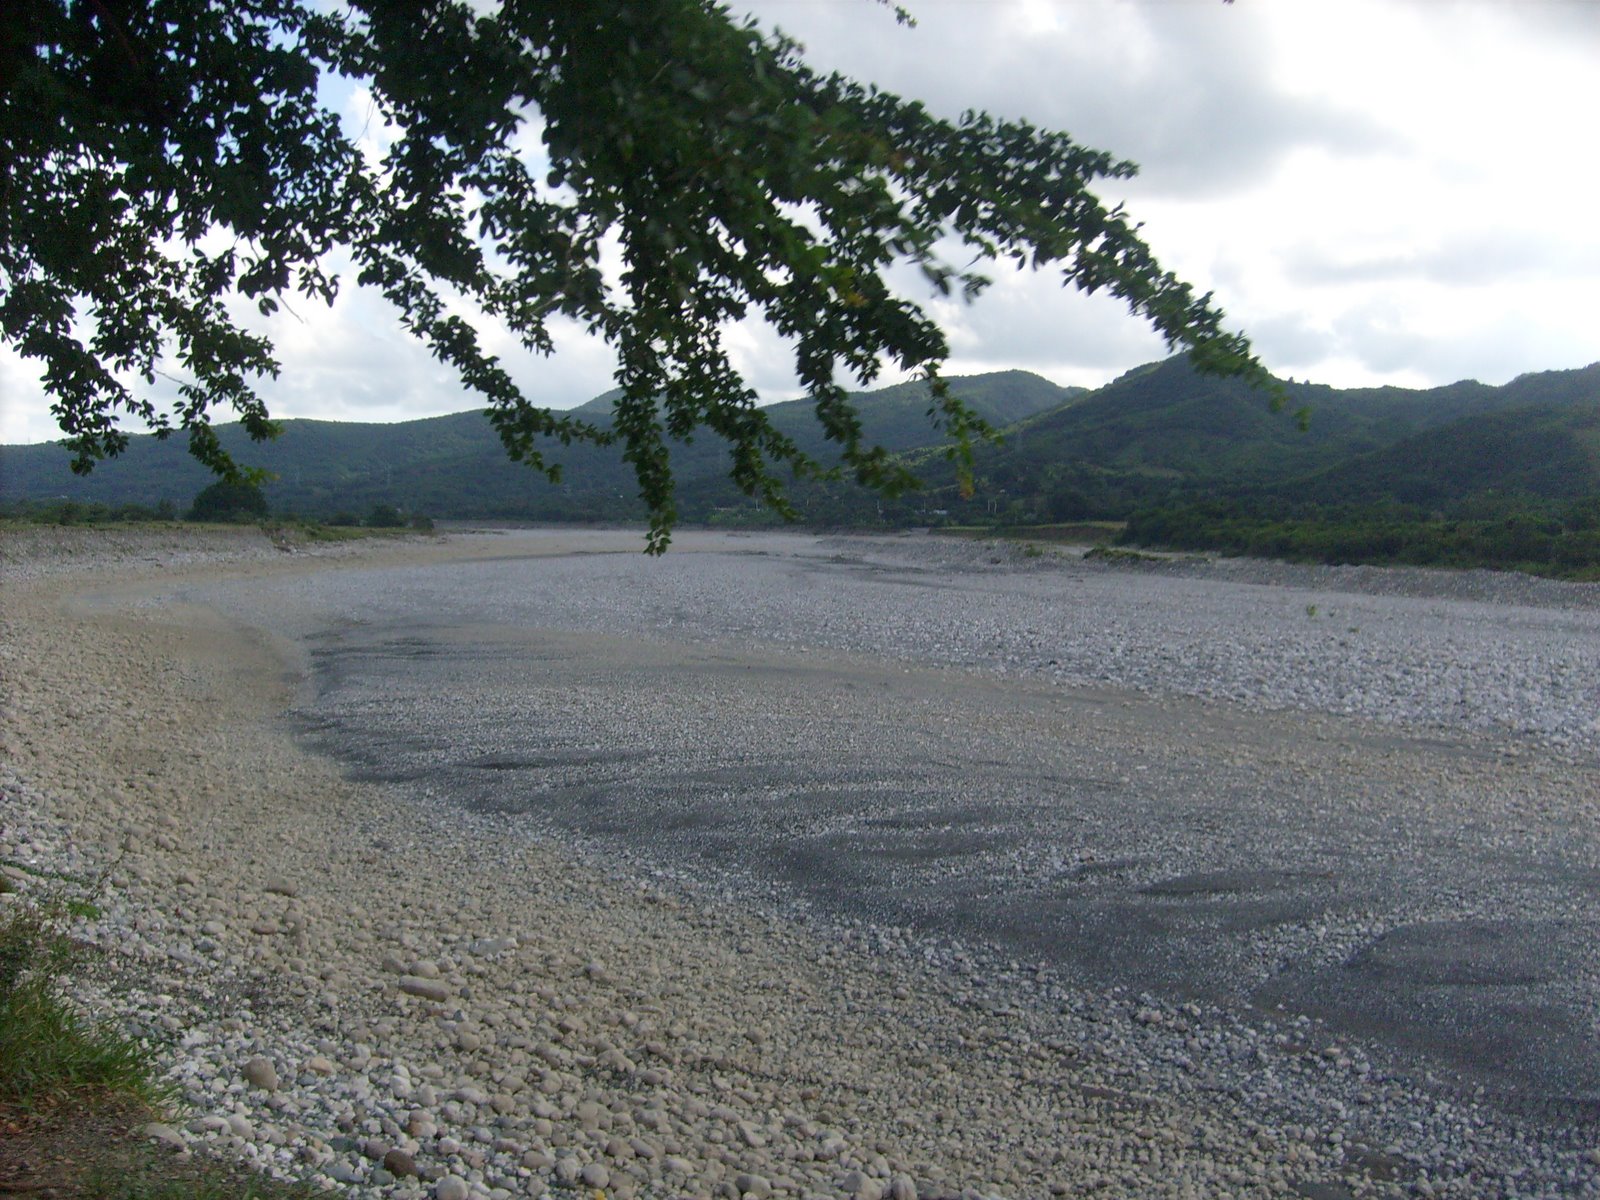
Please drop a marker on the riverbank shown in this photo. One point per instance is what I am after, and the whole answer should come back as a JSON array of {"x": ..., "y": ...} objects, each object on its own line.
[{"x": 396, "y": 996}]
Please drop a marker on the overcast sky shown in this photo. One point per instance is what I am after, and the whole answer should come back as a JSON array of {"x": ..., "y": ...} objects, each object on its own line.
[{"x": 1399, "y": 192}]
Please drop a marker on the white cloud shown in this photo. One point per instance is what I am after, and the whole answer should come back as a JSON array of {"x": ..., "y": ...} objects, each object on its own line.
[{"x": 24, "y": 410}]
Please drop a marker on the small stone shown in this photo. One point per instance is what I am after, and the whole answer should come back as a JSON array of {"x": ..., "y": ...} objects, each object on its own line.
[
  {"x": 318, "y": 1065},
  {"x": 398, "y": 1162},
  {"x": 567, "y": 1170},
  {"x": 753, "y": 1185},
  {"x": 283, "y": 887},
  {"x": 902, "y": 1188},
  {"x": 751, "y": 1135},
  {"x": 165, "y": 1134},
  {"x": 595, "y": 1175},
  {"x": 424, "y": 989},
  {"x": 451, "y": 1187},
  {"x": 259, "y": 1072}
]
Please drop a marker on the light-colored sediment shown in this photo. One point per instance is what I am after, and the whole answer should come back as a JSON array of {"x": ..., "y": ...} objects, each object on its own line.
[{"x": 449, "y": 1008}]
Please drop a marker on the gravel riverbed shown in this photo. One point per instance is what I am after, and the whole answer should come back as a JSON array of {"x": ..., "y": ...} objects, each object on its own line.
[{"x": 572, "y": 871}]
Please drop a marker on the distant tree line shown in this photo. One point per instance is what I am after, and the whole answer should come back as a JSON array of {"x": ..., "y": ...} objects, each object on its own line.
[
  {"x": 1504, "y": 533},
  {"x": 223, "y": 502},
  {"x": 85, "y": 512}
]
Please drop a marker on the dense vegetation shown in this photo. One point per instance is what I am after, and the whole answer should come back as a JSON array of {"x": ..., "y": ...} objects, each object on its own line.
[
  {"x": 1509, "y": 533},
  {"x": 1460, "y": 475},
  {"x": 227, "y": 500}
]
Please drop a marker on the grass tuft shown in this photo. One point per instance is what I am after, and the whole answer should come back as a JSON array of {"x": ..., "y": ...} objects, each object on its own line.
[
  {"x": 48, "y": 1049},
  {"x": 85, "y": 1087}
]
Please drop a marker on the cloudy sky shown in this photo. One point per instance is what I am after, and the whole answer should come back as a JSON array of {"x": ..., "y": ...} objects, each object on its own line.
[{"x": 1399, "y": 192}]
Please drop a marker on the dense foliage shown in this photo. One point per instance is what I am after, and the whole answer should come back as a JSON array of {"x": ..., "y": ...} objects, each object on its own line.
[
  {"x": 229, "y": 500},
  {"x": 1509, "y": 533},
  {"x": 385, "y": 516},
  {"x": 161, "y": 160}
]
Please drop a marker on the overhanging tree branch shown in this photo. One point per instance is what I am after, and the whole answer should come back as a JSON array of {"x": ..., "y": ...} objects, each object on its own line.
[{"x": 736, "y": 180}]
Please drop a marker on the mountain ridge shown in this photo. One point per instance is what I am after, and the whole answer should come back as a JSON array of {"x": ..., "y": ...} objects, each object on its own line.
[{"x": 1156, "y": 434}]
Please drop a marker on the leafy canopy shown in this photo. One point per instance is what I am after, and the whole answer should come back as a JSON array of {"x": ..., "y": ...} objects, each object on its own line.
[
  {"x": 229, "y": 500},
  {"x": 164, "y": 159}
]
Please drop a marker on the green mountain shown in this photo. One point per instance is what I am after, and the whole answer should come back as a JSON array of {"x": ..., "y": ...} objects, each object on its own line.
[
  {"x": 1169, "y": 419},
  {"x": 454, "y": 466},
  {"x": 1163, "y": 431},
  {"x": 1159, "y": 436},
  {"x": 1544, "y": 451}
]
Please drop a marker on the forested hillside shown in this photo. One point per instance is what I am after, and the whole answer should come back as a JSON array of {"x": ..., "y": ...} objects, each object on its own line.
[
  {"x": 1163, "y": 434},
  {"x": 1466, "y": 473},
  {"x": 455, "y": 467}
]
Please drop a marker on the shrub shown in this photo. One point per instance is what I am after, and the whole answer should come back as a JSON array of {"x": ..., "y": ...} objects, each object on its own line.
[{"x": 224, "y": 501}]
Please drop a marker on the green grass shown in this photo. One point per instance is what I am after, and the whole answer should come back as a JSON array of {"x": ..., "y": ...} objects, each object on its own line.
[
  {"x": 1118, "y": 554},
  {"x": 315, "y": 531},
  {"x": 49, "y": 1050},
  {"x": 87, "y": 1082},
  {"x": 1070, "y": 533}
]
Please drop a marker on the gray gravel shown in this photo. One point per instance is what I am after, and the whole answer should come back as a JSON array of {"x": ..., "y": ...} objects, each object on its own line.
[
  {"x": 1468, "y": 651},
  {"x": 852, "y": 867}
]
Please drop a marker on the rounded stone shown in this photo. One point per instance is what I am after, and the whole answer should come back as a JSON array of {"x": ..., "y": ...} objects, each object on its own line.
[
  {"x": 567, "y": 1170},
  {"x": 259, "y": 1072}
]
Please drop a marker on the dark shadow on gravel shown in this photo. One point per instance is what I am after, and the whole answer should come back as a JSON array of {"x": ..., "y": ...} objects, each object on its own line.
[
  {"x": 1164, "y": 845},
  {"x": 1478, "y": 997}
]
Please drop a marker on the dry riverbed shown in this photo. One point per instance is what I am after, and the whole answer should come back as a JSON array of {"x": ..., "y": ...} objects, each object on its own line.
[{"x": 358, "y": 977}]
